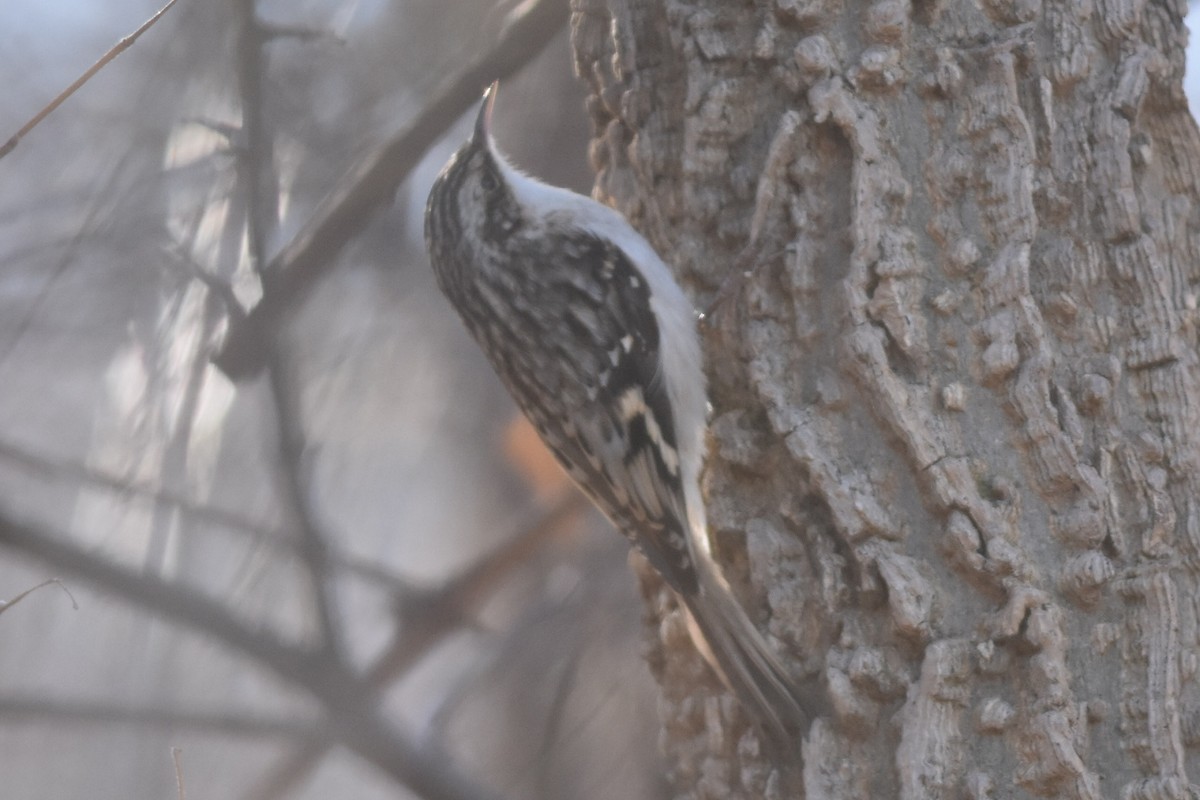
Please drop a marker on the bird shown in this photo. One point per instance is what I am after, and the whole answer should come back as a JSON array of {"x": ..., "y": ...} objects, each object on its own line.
[{"x": 597, "y": 343}]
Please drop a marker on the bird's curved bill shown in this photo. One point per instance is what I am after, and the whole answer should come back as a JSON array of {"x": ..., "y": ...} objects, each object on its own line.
[{"x": 483, "y": 123}]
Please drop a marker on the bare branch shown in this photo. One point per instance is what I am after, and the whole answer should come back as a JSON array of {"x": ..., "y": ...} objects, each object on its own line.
[
  {"x": 271, "y": 30},
  {"x": 373, "y": 182},
  {"x": 256, "y": 169},
  {"x": 256, "y": 176},
  {"x": 430, "y": 616},
  {"x": 232, "y": 134},
  {"x": 175, "y": 602},
  {"x": 227, "y": 723},
  {"x": 218, "y": 287},
  {"x": 464, "y": 594},
  {"x": 177, "y": 757},
  {"x": 313, "y": 545},
  {"x": 353, "y": 709},
  {"x": 116, "y": 50},
  {"x": 5, "y": 606},
  {"x": 274, "y": 537}
]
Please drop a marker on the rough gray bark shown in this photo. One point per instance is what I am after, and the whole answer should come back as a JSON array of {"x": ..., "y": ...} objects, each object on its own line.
[{"x": 955, "y": 401}]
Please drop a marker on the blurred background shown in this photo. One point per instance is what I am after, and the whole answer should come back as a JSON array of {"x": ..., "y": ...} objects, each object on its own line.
[
  {"x": 368, "y": 502},
  {"x": 370, "y": 494}
]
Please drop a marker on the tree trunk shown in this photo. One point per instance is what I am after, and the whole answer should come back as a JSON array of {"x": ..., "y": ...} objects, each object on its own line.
[{"x": 955, "y": 394}]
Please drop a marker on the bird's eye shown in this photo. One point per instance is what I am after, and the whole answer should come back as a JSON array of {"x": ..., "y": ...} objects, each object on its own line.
[{"x": 488, "y": 182}]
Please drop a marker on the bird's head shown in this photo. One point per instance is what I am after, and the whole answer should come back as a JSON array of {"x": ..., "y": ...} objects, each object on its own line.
[{"x": 471, "y": 205}]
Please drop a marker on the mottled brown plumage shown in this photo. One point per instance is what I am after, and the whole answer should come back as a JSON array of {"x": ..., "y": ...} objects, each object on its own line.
[{"x": 596, "y": 342}]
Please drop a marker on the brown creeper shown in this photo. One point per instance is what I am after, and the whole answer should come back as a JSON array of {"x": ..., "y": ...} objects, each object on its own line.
[{"x": 597, "y": 343}]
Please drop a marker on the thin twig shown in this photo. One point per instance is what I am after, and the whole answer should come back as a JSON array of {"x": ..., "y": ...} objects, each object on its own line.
[
  {"x": 271, "y": 30},
  {"x": 116, "y": 50},
  {"x": 93, "y": 478},
  {"x": 5, "y": 606},
  {"x": 69, "y": 257},
  {"x": 231, "y": 521},
  {"x": 177, "y": 757},
  {"x": 256, "y": 169},
  {"x": 230, "y": 132},
  {"x": 372, "y": 183},
  {"x": 175, "y": 602},
  {"x": 226, "y": 723},
  {"x": 313, "y": 546}
]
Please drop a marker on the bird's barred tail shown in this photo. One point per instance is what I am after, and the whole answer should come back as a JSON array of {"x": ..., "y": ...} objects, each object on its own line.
[{"x": 750, "y": 669}]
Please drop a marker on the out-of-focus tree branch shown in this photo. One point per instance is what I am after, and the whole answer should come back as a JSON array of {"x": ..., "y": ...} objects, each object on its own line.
[
  {"x": 428, "y": 617},
  {"x": 373, "y": 182},
  {"x": 260, "y": 186},
  {"x": 177, "y": 758},
  {"x": 225, "y": 723},
  {"x": 276, "y": 538},
  {"x": 313, "y": 547},
  {"x": 293, "y": 662},
  {"x": 436, "y": 610},
  {"x": 256, "y": 168},
  {"x": 271, "y": 30},
  {"x": 353, "y": 709}
]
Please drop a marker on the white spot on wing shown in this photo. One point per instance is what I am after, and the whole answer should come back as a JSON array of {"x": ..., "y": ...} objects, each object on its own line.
[{"x": 610, "y": 265}]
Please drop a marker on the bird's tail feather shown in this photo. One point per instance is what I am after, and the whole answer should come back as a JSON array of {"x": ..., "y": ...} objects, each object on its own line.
[{"x": 744, "y": 661}]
